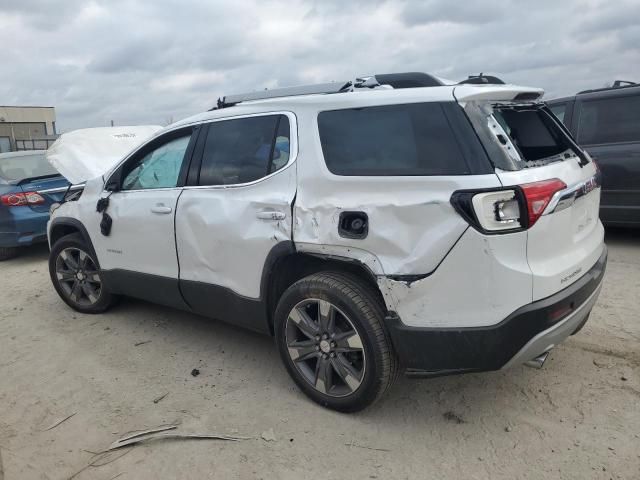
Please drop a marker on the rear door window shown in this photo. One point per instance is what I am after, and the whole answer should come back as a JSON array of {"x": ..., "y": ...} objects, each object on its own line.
[
  {"x": 394, "y": 140},
  {"x": 245, "y": 149},
  {"x": 609, "y": 120}
]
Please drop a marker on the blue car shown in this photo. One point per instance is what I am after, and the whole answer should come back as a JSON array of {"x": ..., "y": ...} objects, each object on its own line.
[{"x": 29, "y": 185}]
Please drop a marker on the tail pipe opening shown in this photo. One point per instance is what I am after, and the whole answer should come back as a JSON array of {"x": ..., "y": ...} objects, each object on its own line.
[{"x": 538, "y": 362}]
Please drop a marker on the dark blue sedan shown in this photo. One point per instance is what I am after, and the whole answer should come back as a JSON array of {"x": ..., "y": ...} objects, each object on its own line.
[{"x": 29, "y": 185}]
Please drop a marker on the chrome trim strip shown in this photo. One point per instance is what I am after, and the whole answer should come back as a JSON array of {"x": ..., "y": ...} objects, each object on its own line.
[
  {"x": 73, "y": 188},
  {"x": 566, "y": 198}
]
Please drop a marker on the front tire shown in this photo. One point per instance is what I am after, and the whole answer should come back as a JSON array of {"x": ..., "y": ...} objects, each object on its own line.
[
  {"x": 76, "y": 277},
  {"x": 331, "y": 337}
]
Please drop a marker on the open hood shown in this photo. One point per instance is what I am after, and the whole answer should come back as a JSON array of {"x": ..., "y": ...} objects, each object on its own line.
[{"x": 87, "y": 153}]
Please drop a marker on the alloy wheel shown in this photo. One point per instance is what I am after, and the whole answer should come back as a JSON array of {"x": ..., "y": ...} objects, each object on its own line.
[
  {"x": 78, "y": 276},
  {"x": 325, "y": 347}
]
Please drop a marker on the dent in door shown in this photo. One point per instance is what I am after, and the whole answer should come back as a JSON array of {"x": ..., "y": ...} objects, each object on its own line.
[{"x": 225, "y": 234}]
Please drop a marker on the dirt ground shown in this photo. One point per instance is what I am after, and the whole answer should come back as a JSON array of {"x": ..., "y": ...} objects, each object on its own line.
[{"x": 578, "y": 417}]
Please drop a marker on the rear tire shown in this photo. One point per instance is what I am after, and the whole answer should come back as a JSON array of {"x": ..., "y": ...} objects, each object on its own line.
[
  {"x": 331, "y": 337},
  {"x": 76, "y": 277},
  {"x": 7, "y": 253}
]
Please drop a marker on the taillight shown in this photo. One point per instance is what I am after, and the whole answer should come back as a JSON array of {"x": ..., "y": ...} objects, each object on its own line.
[
  {"x": 21, "y": 199},
  {"x": 538, "y": 196},
  {"x": 508, "y": 209}
]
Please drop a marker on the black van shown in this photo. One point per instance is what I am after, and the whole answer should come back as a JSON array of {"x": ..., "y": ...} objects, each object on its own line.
[{"x": 606, "y": 121}]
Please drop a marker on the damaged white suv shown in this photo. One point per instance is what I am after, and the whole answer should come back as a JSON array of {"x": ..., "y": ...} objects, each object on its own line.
[{"x": 393, "y": 223}]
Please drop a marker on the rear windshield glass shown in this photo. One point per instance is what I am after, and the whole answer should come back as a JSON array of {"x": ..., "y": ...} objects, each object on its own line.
[
  {"x": 19, "y": 167},
  {"x": 520, "y": 136},
  {"x": 395, "y": 140}
]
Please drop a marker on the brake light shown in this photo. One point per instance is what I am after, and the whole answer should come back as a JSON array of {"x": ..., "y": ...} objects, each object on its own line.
[
  {"x": 21, "y": 199},
  {"x": 538, "y": 195},
  {"x": 508, "y": 209}
]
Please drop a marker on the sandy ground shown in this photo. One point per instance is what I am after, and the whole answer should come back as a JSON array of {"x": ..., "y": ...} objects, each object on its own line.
[{"x": 578, "y": 417}]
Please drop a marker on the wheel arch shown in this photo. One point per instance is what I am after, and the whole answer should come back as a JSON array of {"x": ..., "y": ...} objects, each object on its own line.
[
  {"x": 63, "y": 226},
  {"x": 285, "y": 266}
]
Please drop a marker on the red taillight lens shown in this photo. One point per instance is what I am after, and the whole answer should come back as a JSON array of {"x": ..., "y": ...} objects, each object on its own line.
[
  {"x": 21, "y": 199},
  {"x": 507, "y": 209},
  {"x": 538, "y": 195}
]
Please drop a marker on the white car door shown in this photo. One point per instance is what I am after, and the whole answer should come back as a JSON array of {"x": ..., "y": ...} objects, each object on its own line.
[
  {"x": 235, "y": 213},
  {"x": 138, "y": 256}
]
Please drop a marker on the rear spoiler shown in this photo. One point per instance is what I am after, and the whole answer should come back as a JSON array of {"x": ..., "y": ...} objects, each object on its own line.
[{"x": 496, "y": 93}]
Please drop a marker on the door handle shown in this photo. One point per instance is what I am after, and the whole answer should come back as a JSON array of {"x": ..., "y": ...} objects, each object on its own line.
[
  {"x": 271, "y": 215},
  {"x": 161, "y": 209}
]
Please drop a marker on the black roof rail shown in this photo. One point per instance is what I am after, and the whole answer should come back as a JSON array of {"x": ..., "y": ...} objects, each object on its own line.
[
  {"x": 408, "y": 80},
  {"x": 617, "y": 84},
  {"x": 394, "y": 80},
  {"x": 481, "y": 79}
]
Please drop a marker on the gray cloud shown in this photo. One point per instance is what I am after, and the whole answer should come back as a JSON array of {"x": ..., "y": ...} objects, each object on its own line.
[
  {"x": 424, "y": 12},
  {"x": 147, "y": 62}
]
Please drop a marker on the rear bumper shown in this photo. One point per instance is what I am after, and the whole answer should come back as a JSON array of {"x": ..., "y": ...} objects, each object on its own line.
[
  {"x": 22, "y": 239},
  {"x": 25, "y": 229},
  {"x": 523, "y": 335}
]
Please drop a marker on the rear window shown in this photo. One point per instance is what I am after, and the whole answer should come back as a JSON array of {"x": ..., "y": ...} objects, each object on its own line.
[
  {"x": 610, "y": 120},
  {"x": 20, "y": 167},
  {"x": 395, "y": 140},
  {"x": 530, "y": 132},
  {"x": 518, "y": 136}
]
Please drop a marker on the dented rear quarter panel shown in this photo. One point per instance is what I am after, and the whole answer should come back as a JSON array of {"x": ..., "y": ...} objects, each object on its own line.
[
  {"x": 412, "y": 224},
  {"x": 479, "y": 283}
]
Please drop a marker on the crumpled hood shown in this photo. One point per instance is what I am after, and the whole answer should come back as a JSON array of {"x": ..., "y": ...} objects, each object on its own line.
[{"x": 87, "y": 153}]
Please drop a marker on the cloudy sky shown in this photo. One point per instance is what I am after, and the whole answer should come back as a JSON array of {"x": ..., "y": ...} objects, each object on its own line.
[{"x": 153, "y": 61}]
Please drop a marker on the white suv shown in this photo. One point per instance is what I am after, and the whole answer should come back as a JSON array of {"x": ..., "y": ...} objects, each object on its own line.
[{"x": 393, "y": 223}]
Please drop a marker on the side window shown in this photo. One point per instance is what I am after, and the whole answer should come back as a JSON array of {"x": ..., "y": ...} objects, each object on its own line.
[
  {"x": 609, "y": 120},
  {"x": 245, "y": 149},
  {"x": 281, "y": 148},
  {"x": 159, "y": 168},
  {"x": 400, "y": 140},
  {"x": 559, "y": 110}
]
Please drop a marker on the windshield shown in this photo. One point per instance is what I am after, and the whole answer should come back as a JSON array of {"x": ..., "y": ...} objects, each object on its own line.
[
  {"x": 18, "y": 167},
  {"x": 518, "y": 136}
]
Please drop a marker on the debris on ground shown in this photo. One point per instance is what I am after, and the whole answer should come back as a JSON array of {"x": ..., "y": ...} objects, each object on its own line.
[
  {"x": 601, "y": 364},
  {"x": 623, "y": 378},
  {"x": 195, "y": 372},
  {"x": 161, "y": 434},
  {"x": 141, "y": 343},
  {"x": 453, "y": 417},
  {"x": 269, "y": 435},
  {"x": 160, "y": 398},
  {"x": 58, "y": 422},
  {"x": 352, "y": 444},
  {"x": 508, "y": 428},
  {"x": 100, "y": 460}
]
